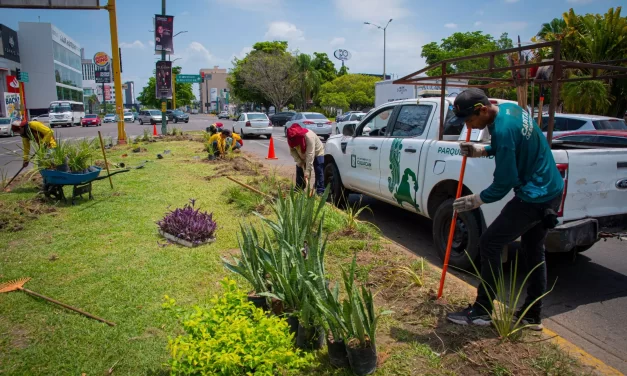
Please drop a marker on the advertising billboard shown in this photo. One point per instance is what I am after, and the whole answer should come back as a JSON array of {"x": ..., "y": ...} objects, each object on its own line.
[
  {"x": 164, "y": 80},
  {"x": 50, "y": 4},
  {"x": 12, "y": 105},
  {"x": 102, "y": 71},
  {"x": 9, "y": 48},
  {"x": 164, "y": 30},
  {"x": 13, "y": 86}
]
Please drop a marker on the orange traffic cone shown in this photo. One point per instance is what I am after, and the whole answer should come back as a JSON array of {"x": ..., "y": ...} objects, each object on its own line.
[
  {"x": 154, "y": 130},
  {"x": 271, "y": 154}
]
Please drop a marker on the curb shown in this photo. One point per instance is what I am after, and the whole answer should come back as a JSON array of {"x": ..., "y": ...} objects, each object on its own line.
[{"x": 573, "y": 350}]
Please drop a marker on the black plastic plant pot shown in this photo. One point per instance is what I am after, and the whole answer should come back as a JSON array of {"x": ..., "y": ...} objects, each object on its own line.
[
  {"x": 337, "y": 353},
  {"x": 258, "y": 301},
  {"x": 310, "y": 338},
  {"x": 292, "y": 321},
  {"x": 363, "y": 360}
]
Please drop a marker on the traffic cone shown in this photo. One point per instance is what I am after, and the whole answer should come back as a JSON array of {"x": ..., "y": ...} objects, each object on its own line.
[
  {"x": 271, "y": 154},
  {"x": 154, "y": 130}
]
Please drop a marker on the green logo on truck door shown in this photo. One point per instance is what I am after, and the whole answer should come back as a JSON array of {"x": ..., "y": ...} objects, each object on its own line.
[{"x": 401, "y": 188}]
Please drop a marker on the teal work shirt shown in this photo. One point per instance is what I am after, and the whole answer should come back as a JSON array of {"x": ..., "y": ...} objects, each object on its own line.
[{"x": 523, "y": 159}]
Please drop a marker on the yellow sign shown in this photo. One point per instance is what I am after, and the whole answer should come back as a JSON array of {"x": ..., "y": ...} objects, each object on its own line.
[{"x": 163, "y": 107}]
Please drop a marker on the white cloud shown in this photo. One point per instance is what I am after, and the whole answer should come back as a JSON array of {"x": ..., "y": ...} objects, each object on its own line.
[
  {"x": 579, "y": 1},
  {"x": 242, "y": 54},
  {"x": 136, "y": 44},
  {"x": 478, "y": 23},
  {"x": 511, "y": 1},
  {"x": 372, "y": 10},
  {"x": 284, "y": 31},
  {"x": 253, "y": 5},
  {"x": 337, "y": 41},
  {"x": 151, "y": 43},
  {"x": 450, "y": 25}
]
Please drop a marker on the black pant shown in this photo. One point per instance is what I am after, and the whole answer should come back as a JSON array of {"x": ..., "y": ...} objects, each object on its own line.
[
  {"x": 318, "y": 166},
  {"x": 517, "y": 219}
]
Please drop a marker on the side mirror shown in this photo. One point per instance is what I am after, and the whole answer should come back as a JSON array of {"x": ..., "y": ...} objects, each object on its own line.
[{"x": 348, "y": 130}]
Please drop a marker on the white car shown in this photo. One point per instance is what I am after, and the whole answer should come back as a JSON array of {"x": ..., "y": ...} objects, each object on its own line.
[
  {"x": 403, "y": 162},
  {"x": 5, "y": 127},
  {"x": 110, "y": 118},
  {"x": 565, "y": 123},
  {"x": 353, "y": 119},
  {"x": 43, "y": 118},
  {"x": 253, "y": 124},
  {"x": 223, "y": 115},
  {"x": 128, "y": 116},
  {"x": 314, "y": 121}
]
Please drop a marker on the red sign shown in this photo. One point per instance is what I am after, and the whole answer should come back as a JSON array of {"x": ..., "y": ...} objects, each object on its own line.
[
  {"x": 13, "y": 86},
  {"x": 107, "y": 93}
]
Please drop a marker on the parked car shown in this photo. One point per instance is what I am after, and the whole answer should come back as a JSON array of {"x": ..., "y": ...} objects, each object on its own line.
[
  {"x": 129, "y": 117},
  {"x": 314, "y": 121},
  {"x": 402, "y": 161},
  {"x": 91, "y": 119},
  {"x": 223, "y": 115},
  {"x": 279, "y": 119},
  {"x": 346, "y": 115},
  {"x": 253, "y": 123},
  {"x": 565, "y": 123},
  {"x": 352, "y": 120},
  {"x": 5, "y": 127},
  {"x": 194, "y": 111},
  {"x": 599, "y": 138},
  {"x": 177, "y": 115},
  {"x": 150, "y": 117},
  {"x": 110, "y": 118},
  {"x": 43, "y": 118}
]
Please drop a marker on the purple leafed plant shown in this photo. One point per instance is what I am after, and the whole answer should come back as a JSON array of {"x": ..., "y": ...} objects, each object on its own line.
[{"x": 189, "y": 224}]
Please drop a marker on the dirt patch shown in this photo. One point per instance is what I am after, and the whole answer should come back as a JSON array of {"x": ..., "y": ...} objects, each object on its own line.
[
  {"x": 235, "y": 166},
  {"x": 101, "y": 164},
  {"x": 19, "y": 338},
  {"x": 14, "y": 215},
  {"x": 140, "y": 150},
  {"x": 33, "y": 178}
]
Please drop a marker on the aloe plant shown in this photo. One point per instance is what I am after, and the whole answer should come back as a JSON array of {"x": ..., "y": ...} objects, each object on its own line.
[{"x": 251, "y": 264}]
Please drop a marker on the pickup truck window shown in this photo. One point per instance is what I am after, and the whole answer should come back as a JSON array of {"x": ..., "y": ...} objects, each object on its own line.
[
  {"x": 377, "y": 123},
  {"x": 411, "y": 121}
]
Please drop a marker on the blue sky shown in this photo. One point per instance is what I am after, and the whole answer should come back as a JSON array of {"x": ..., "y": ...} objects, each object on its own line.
[{"x": 219, "y": 30}]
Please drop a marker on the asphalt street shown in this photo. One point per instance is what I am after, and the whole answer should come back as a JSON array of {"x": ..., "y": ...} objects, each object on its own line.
[{"x": 587, "y": 307}]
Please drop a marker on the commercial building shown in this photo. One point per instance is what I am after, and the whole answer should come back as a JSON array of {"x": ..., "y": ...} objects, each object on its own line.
[
  {"x": 53, "y": 62},
  {"x": 129, "y": 95},
  {"x": 89, "y": 83},
  {"x": 213, "y": 89},
  {"x": 9, "y": 63}
]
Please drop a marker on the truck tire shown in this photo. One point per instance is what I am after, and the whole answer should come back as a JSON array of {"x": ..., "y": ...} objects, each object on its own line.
[
  {"x": 338, "y": 195},
  {"x": 467, "y": 234}
]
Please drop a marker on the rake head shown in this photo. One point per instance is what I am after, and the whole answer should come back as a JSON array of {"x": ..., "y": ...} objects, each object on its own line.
[{"x": 13, "y": 285}]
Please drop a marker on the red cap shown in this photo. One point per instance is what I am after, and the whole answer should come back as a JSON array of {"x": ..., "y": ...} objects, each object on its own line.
[{"x": 219, "y": 125}]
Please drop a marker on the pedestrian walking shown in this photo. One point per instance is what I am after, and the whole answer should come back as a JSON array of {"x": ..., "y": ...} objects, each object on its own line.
[
  {"x": 308, "y": 153},
  {"x": 524, "y": 162}
]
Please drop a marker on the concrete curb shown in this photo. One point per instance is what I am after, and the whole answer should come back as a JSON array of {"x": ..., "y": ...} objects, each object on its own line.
[{"x": 577, "y": 352}]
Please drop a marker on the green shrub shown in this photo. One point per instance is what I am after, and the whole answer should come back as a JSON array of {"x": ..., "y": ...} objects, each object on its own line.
[{"x": 233, "y": 337}]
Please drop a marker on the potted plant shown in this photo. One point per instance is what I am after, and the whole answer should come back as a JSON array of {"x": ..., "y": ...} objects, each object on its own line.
[
  {"x": 331, "y": 309},
  {"x": 188, "y": 226}
]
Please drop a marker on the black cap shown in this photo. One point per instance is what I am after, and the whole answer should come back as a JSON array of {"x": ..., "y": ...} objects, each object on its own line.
[
  {"x": 226, "y": 132},
  {"x": 466, "y": 103}
]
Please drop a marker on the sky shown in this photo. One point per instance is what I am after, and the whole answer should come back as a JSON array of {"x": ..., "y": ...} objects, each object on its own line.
[{"x": 220, "y": 30}]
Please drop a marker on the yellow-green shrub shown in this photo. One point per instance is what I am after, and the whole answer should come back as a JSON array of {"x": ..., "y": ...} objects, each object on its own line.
[{"x": 233, "y": 337}]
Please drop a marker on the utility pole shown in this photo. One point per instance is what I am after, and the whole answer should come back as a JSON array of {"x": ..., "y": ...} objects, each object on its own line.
[
  {"x": 384, "y": 37},
  {"x": 117, "y": 78},
  {"x": 164, "y": 117},
  {"x": 173, "y": 91}
]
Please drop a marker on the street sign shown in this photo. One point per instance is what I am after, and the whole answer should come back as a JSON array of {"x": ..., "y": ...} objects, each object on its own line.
[
  {"x": 163, "y": 107},
  {"x": 23, "y": 77},
  {"x": 188, "y": 79}
]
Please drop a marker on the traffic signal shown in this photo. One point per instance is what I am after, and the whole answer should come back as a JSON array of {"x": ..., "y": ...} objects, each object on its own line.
[{"x": 18, "y": 73}]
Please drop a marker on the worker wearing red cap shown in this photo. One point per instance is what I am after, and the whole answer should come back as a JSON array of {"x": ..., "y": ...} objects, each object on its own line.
[
  {"x": 33, "y": 131},
  {"x": 308, "y": 153}
]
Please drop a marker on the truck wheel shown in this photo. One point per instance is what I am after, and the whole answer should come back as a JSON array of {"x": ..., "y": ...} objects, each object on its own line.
[
  {"x": 466, "y": 239},
  {"x": 338, "y": 195}
]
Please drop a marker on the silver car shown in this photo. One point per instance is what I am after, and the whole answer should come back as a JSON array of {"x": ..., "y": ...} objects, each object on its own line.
[
  {"x": 150, "y": 117},
  {"x": 314, "y": 121},
  {"x": 5, "y": 127},
  {"x": 253, "y": 124}
]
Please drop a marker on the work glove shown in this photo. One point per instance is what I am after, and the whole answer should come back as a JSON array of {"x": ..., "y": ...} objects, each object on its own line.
[
  {"x": 473, "y": 150},
  {"x": 467, "y": 203}
]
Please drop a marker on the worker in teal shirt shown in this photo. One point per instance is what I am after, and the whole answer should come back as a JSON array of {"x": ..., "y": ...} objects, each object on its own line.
[{"x": 524, "y": 163}]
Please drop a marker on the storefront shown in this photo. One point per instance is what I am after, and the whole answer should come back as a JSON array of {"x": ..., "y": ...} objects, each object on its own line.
[{"x": 9, "y": 63}]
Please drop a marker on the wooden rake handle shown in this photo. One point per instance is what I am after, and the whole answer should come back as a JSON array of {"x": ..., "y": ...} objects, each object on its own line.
[{"x": 30, "y": 292}]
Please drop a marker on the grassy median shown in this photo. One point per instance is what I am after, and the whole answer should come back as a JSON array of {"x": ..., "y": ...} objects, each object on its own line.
[{"x": 105, "y": 257}]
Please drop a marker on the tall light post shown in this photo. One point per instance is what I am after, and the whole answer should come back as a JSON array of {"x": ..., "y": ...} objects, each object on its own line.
[{"x": 384, "y": 29}]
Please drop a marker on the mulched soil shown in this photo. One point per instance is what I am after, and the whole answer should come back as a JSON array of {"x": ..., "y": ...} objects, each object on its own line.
[{"x": 15, "y": 215}]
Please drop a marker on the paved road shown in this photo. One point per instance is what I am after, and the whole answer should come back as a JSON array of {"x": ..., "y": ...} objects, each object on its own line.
[{"x": 588, "y": 305}]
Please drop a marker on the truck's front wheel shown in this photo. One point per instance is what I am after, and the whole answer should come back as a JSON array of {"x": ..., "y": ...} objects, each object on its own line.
[
  {"x": 338, "y": 195},
  {"x": 466, "y": 238}
]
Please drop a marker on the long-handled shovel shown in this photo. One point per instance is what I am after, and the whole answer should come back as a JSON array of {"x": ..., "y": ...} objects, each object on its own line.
[
  {"x": 17, "y": 285},
  {"x": 11, "y": 181}
]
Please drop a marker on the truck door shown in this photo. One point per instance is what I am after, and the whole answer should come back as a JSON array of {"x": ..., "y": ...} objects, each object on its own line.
[
  {"x": 362, "y": 152},
  {"x": 401, "y": 181}
]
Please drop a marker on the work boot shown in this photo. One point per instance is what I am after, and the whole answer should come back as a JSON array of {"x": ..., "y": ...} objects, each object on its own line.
[{"x": 470, "y": 316}]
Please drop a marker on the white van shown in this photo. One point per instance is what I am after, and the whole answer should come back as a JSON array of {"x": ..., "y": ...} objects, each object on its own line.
[{"x": 66, "y": 113}]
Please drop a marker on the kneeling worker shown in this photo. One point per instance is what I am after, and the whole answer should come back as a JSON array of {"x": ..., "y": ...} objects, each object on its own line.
[
  {"x": 308, "y": 153},
  {"x": 33, "y": 131},
  {"x": 224, "y": 141}
]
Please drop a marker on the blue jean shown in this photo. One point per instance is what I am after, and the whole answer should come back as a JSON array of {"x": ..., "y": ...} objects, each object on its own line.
[{"x": 318, "y": 166}]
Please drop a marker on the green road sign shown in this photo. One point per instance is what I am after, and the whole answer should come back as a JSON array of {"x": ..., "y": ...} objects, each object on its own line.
[
  {"x": 188, "y": 78},
  {"x": 23, "y": 77}
]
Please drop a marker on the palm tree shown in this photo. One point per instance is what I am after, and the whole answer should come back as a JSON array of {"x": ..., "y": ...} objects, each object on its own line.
[
  {"x": 310, "y": 78},
  {"x": 92, "y": 100},
  {"x": 552, "y": 30}
]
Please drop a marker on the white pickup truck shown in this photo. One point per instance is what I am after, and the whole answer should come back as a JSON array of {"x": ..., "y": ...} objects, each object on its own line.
[{"x": 394, "y": 155}]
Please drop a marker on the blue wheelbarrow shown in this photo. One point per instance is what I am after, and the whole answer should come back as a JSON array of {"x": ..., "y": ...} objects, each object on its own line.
[{"x": 54, "y": 180}]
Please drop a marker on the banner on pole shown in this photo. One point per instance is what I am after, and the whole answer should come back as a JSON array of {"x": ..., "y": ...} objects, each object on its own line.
[
  {"x": 164, "y": 79},
  {"x": 164, "y": 31},
  {"x": 103, "y": 68}
]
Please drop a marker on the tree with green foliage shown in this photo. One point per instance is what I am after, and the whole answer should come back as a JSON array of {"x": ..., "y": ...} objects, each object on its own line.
[
  {"x": 350, "y": 91},
  {"x": 184, "y": 93},
  {"x": 343, "y": 70},
  {"x": 309, "y": 78},
  {"x": 325, "y": 66}
]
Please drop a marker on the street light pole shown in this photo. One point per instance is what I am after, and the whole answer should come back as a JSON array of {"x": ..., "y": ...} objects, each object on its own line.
[{"x": 384, "y": 37}]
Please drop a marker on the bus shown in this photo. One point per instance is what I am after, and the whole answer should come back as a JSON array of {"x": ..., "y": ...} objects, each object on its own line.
[{"x": 66, "y": 113}]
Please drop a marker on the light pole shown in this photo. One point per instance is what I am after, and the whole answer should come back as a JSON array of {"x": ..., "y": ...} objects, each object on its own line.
[{"x": 384, "y": 29}]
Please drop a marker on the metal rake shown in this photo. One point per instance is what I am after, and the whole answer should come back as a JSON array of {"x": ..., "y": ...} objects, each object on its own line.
[{"x": 18, "y": 285}]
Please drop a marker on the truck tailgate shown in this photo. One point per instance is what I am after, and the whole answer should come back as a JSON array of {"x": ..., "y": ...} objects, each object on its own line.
[{"x": 594, "y": 183}]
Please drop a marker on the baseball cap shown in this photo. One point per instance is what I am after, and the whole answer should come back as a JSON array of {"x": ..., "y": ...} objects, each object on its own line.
[
  {"x": 466, "y": 103},
  {"x": 226, "y": 132}
]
